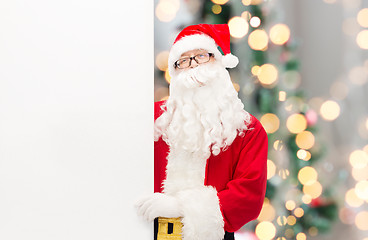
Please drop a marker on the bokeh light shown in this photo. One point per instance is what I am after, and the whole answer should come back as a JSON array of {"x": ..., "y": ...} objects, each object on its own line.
[
  {"x": 220, "y": 2},
  {"x": 307, "y": 199},
  {"x": 305, "y": 140},
  {"x": 296, "y": 123},
  {"x": 352, "y": 199},
  {"x": 291, "y": 220},
  {"x": 361, "y": 220},
  {"x": 290, "y": 205},
  {"x": 166, "y": 10},
  {"x": 246, "y": 2},
  {"x": 267, "y": 74},
  {"x": 330, "y": 110},
  {"x": 281, "y": 220},
  {"x": 279, "y": 34},
  {"x": 265, "y": 230},
  {"x": 238, "y": 27},
  {"x": 301, "y": 236},
  {"x": 271, "y": 169},
  {"x": 314, "y": 190},
  {"x": 167, "y": 76},
  {"x": 268, "y": 212},
  {"x": 282, "y": 96},
  {"x": 358, "y": 159},
  {"x": 360, "y": 174},
  {"x": 255, "y": 22},
  {"x": 307, "y": 175},
  {"x": 299, "y": 212},
  {"x": 362, "y": 17},
  {"x": 362, "y": 39},
  {"x": 246, "y": 15},
  {"x": 284, "y": 173},
  {"x": 303, "y": 154},
  {"x": 361, "y": 190},
  {"x": 278, "y": 145},
  {"x": 270, "y": 122},
  {"x": 216, "y": 9},
  {"x": 258, "y": 40},
  {"x": 162, "y": 60}
]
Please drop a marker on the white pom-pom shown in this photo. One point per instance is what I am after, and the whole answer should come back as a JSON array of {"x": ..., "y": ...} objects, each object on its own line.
[{"x": 230, "y": 61}]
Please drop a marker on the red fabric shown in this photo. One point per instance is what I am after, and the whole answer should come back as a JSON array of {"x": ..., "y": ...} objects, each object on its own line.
[
  {"x": 239, "y": 174},
  {"x": 219, "y": 32}
]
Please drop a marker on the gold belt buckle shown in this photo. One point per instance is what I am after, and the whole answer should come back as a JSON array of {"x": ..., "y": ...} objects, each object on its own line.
[{"x": 163, "y": 228}]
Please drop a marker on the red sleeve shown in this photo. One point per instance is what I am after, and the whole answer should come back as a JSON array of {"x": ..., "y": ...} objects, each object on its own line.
[
  {"x": 242, "y": 199},
  {"x": 160, "y": 154}
]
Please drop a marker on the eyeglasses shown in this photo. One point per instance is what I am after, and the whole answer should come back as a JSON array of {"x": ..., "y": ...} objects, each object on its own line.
[{"x": 187, "y": 61}]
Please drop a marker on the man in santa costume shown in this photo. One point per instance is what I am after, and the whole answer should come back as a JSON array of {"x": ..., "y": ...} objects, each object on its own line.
[{"x": 210, "y": 154}]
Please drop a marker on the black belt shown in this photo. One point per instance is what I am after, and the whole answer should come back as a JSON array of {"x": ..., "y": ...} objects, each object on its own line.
[{"x": 228, "y": 235}]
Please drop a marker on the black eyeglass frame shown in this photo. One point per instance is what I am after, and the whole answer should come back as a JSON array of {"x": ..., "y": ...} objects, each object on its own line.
[{"x": 194, "y": 57}]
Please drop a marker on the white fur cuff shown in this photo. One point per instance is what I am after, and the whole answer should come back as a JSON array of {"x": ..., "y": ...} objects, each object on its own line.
[{"x": 202, "y": 215}]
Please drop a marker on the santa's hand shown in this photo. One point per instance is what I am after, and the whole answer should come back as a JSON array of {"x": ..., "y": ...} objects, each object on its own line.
[{"x": 158, "y": 205}]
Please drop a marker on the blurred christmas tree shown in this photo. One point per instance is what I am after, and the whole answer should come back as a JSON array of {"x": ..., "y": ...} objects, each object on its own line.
[{"x": 297, "y": 204}]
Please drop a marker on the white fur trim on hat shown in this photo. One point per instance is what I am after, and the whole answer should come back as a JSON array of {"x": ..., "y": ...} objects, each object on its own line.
[
  {"x": 191, "y": 42},
  {"x": 230, "y": 61}
]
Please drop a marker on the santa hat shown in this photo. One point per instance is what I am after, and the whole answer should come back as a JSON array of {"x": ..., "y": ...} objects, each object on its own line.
[{"x": 209, "y": 37}]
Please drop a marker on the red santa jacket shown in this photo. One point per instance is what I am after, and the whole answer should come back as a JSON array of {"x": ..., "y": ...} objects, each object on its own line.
[{"x": 239, "y": 174}]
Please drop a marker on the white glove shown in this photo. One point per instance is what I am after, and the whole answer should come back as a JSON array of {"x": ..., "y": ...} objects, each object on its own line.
[{"x": 158, "y": 205}]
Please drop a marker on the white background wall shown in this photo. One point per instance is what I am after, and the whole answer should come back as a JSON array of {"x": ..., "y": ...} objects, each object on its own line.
[{"x": 76, "y": 111}]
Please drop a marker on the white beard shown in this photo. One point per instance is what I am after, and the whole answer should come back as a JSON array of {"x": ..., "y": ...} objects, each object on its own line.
[{"x": 203, "y": 113}]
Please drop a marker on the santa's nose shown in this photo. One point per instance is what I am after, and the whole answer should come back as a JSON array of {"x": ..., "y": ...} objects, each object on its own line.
[{"x": 193, "y": 63}]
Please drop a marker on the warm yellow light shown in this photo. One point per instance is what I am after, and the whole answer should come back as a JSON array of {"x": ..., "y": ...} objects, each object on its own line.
[
  {"x": 290, "y": 205},
  {"x": 166, "y": 10},
  {"x": 307, "y": 175},
  {"x": 280, "y": 238},
  {"x": 220, "y": 2},
  {"x": 270, "y": 122},
  {"x": 267, "y": 213},
  {"x": 271, "y": 169},
  {"x": 238, "y": 27},
  {"x": 284, "y": 173},
  {"x": 255, "y": 70},
  {"x": 281, "y": 220},
  {"x": 161, "y": 60},
  {"x": 301, "y": 236},
  {"x": 167, "y": 76},
  {"x": 352, "y": 199},
  {"x": 360, "y": 174},
  {"x": 282, "y": 96},
  {"x": 306, "y": 199},
  {"x": 258, "y": 40},
  {"x": 246, "y": 15},
  {"x": 305, "y": 140},
  {"x": 246, "y": 2},
  {"x": 361, "y": 220},
  {"x": 256, "y": 2},
  {"x": 296, "y": 123},
  {"x": 362, "y": 39},
  {"x": 279, "y": 34},
  {"x": 313, "y": 231},
  {"x": 314, "y": 190},
  {"x": 362, "y": 17},
  {"x": 299, "y": 212},
  {"x": 361, "y": 190},
  {"x": 265, "y": 230},
  {"x": 303, "y": 155},
  {"x": 330, "y": 110},
  {"x": 291, "y": 220},
  {"x": 278, "y": 145},
  {"x": 216, "y": 9},
  {"x": 255, "y": 21},
  {"x": 358, "y": 159},
  {"x": 267, "y": 74}
]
